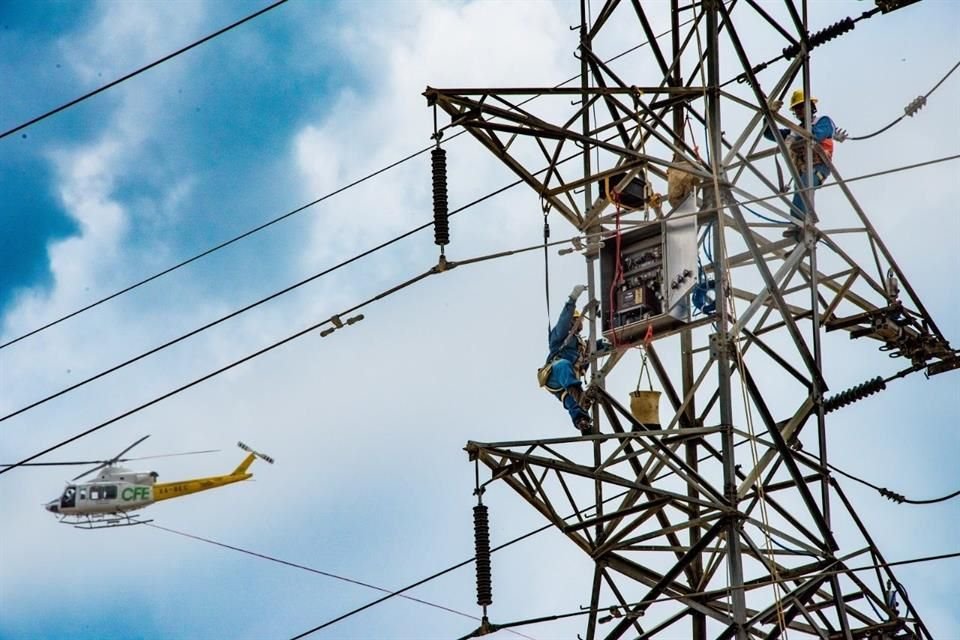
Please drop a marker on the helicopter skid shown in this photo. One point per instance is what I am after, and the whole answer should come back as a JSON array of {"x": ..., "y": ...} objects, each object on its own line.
[{"x": 103, "y": 521}]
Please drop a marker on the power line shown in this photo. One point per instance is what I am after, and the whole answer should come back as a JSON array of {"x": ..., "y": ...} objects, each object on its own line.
[
  {"x": 524, "y": 536},
  {"x": 262, "y": 301},
  {"x": 373, "y": 250},
  {"x": 217, "y": 247},
  {"x": 327, "y": 574},
  {"x": 141, "y": 70},
  {"x": 886, "y": 493},
  {"x": 754, "y": 585},
  {"x": 616, "y": 612},
  {"x": 334, "y": 320},
  {"x": 211, "y": 324},
  {"x": 285, "y": 215},
  {"x": 212, "y": 374},
  {"x": 910, "y": 110}
]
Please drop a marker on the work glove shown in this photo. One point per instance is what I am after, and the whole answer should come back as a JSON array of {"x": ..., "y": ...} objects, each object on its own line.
[
  {"x": 577, "y": 291},
  {"x": 775, "y": 105}
]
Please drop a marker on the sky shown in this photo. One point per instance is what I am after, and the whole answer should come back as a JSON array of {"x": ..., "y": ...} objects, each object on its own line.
[{"x": 367, "y": 425}]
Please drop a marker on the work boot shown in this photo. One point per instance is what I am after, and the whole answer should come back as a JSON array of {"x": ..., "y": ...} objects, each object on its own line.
[
  {"x": 794, "y": 233},
  {"x": 583, "y": 399},
  {"x": 585, "y": 425}
]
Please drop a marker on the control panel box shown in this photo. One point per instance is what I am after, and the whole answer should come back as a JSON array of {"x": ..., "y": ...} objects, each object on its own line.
[{"x": 646, "y": 279}]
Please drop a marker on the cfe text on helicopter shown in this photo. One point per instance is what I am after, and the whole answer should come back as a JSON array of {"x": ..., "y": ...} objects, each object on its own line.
[{"x": 110, "y": 499}]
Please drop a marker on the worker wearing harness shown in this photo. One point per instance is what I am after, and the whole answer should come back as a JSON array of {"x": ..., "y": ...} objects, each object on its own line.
[
  {"x": 823, "y": 130},
  {"x": 568, "y": 361}
]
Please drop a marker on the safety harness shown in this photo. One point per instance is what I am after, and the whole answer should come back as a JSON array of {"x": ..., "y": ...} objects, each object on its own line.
[
  {"x": 579, "y": 365},
  {"x": 798, "y": 154}
]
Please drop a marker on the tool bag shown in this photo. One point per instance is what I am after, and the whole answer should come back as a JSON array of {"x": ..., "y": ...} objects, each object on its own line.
[{"x": 543, "y": 373}]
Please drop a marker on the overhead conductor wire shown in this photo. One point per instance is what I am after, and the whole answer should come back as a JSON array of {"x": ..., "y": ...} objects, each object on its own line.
[
  {"x": 749, "y": 201},
  {"x": 272, "y": 296},
  {"x": 315, "y": 326},
  {"x": 327, "y": 574},
  {"x": 752, "y": 586},
  {"x": 615, "y": 609},
  {"x": 883, "y": 491},
  {"x": 335, "y": 319},
  {"x": 276, "y": 294},
  {"x": 382, "y": 245},
  {"x": 911, "y": 109},
  {"x": 141, "y": 70},
  {"x": 277, "y": 219}
]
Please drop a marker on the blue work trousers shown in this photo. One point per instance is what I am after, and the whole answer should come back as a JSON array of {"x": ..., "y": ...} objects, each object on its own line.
[
  {"x": 820, "y": 173},
  {"x": 562, "y": 377}
]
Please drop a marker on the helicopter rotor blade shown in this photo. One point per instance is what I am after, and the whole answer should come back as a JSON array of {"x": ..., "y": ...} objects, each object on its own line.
[
  {"x": 111, "y": 461},
  {"x": 103, "y": 463},
  {"x": 117, "y": 457},
  {"x": 89, "y": 471},
  {"x": 168, "y": 455}
]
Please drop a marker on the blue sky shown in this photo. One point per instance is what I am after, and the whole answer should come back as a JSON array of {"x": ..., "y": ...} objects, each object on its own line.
[{"x": 367, "y": 425}]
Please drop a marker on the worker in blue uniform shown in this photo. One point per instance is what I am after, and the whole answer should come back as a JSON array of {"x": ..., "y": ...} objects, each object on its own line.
[
  {"x": 823, "y": 130},
  {"x": 567, "y": 362}
]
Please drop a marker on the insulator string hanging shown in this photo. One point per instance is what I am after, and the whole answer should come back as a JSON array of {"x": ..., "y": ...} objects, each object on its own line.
[
  {"x": 824, "y": 35},
  {"x": 441, "y": 228},
  {"x": 853, "y": 394},
  {"x": 481, "y": 534}
]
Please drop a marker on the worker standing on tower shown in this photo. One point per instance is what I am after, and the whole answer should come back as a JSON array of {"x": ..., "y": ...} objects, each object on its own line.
[
  {"x": 823, "y": 130},
  {"x": 568, "y": 361}
]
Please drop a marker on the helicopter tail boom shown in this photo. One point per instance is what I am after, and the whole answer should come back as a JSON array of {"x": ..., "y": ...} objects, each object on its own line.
[{"x": 168, "y": 490}]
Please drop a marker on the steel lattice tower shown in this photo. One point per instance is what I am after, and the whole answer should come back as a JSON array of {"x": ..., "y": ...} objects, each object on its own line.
[{"x": 692, "y": 534}]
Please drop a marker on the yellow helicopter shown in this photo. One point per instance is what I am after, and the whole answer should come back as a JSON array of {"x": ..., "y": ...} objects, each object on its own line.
[{"x": 117, "y": 491}]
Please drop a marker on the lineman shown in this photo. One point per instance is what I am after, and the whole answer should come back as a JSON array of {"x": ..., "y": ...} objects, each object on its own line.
[
  {"x": 823, "y": 130},
  {"x": 567, "y": 362}
]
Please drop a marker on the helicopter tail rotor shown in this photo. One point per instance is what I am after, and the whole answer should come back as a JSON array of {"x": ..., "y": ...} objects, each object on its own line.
[{"x": 262, "y": 456}]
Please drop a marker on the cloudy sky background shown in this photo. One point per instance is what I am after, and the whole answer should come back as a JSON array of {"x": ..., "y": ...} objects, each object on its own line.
[{"x": 368, "y": 424}]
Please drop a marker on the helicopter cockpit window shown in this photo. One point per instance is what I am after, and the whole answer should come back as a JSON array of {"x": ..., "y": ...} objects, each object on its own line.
[
  {"x": 69, "y": 498},
  {"x": 83, "y": 494}
]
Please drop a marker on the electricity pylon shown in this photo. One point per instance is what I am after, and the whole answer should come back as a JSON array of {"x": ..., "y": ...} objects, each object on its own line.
[{"x": 703, "y": 526}]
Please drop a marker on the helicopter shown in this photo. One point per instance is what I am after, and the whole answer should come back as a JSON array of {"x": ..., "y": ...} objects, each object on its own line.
[{"x": 110, "y": 499}]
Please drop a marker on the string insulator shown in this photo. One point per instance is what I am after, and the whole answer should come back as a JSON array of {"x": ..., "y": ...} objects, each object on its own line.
[
  {"x": 918, "y": 103},
  {"x": 853, "y": 394},
  {"x": 817, "y": 39},
  {"x": 441, "y": 228},
  {"x": 481, "y": 536},
  {"x": 892, "y": 495}
]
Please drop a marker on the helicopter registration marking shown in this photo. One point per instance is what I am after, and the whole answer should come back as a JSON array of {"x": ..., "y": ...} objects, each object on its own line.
[{"x": 135, "y": 493}]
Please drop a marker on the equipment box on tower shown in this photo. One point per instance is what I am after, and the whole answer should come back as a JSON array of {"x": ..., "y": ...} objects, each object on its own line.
[{"x": 648, "y": 276}]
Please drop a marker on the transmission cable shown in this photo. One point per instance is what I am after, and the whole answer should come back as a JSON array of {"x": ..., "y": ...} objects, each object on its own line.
[
  {"x": 215, "y": 248},
  {"x": 370, "y": 251},
  {"x": 283, "y": 216},
  {"x": 887, "y": 493},
  {"x": 615, "y": 610},
  {"x": 910, "y": 110},
  {"x": 750, "y": 587},
  {"x": 141, "y": 69},
  {"x": 327, "y": 574},
  {"x": 524, "y": 536},
  {"x": 334, "y": 320},
  {"x": 278, "y": 293}
]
